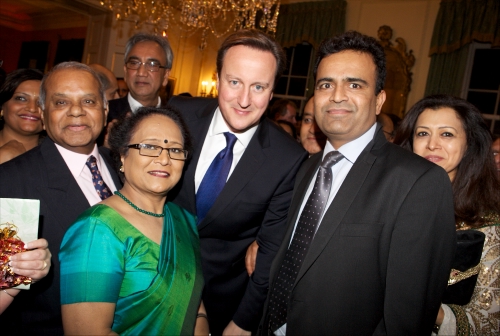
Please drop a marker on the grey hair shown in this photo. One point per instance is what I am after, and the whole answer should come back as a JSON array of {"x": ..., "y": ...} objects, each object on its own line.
[
  {"x": 72, "y": 66},
  {"x": 144, "y": 37},
  {"x": 106, "y": 84}
]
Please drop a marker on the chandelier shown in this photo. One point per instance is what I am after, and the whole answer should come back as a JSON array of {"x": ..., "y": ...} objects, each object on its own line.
[{"x": 218, "y": 17}]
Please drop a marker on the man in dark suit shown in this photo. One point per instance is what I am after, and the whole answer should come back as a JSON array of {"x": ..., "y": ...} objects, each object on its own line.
[
  {"x": 148, "y": 60},
  {"x": 57, "y": 173},
  {"x": 371, "y": 232},
  {"x": 252, "y": 204}
]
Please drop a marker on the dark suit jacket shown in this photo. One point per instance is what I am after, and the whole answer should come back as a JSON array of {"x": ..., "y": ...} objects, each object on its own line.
[
  {"x": 381, "y": 258},
  {"x": 252, "y": 205},
  {"x": 118, "y": 108},
  {"x": 42, "y": 174}
]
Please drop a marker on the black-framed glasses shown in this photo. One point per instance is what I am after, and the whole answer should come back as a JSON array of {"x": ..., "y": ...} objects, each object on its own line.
[
  {"x": 152, "y": 66},
  {"x": 155, "y": 151}
]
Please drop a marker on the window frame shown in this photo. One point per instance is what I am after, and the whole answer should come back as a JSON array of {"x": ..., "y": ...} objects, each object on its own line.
[{"x": 495, "y": 118}]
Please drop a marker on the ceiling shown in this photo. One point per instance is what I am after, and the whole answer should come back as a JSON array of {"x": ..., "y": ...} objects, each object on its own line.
[
  {"x": 34, "y": 15},
  {"x": 31, "y": 15}
]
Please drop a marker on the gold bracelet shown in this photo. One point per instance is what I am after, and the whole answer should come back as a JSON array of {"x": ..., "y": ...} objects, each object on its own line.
[{"x": 12, "y": 296}]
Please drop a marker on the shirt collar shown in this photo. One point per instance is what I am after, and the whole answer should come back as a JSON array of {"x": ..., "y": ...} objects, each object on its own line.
[
  {"x": 219, "y": 126},
  {"x": 353, "y": 149},
  {"x": 76, "y": 162},
  {"x": 134, "y": 104}
]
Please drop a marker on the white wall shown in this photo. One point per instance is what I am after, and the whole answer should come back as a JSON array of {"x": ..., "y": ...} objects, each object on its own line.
[{"x": 412, "y": 20}]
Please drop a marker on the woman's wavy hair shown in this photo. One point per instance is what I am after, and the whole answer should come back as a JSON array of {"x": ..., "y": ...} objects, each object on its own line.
[
  {"x": 476, "y": 185},
  {"x": 122, "y": 132}
]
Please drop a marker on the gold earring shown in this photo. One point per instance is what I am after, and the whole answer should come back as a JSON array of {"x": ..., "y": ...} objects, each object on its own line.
[{"x": 122, "y": 169}]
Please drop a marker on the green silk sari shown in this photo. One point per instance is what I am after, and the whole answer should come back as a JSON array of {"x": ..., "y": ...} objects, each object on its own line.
[{"x": 157, "y": 289}]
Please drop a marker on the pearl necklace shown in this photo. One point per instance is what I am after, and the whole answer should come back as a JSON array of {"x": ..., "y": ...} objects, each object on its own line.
[{"x": 139, "y": 209}]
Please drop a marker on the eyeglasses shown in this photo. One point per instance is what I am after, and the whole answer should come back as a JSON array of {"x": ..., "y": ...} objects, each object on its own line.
[
  {"x": 152, "y": 66},
  {"x": 155, "y": 151}
]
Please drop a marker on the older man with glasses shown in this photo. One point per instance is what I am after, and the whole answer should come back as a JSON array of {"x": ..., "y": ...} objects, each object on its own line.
[{"x": 148, "y": 60}]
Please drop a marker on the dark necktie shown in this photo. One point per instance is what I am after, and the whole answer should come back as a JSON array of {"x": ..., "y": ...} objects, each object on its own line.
[
  {"x": 100, "y": 186},
  {"x": 302, "y": 238},
  {"x": 215, "y": 178}
]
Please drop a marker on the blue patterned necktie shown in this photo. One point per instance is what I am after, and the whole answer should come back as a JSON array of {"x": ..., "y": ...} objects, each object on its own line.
[
  {"x": 301, "y": 241},
  {"x": 100, "y": 186},
  {"x": 215, "y": 178}
]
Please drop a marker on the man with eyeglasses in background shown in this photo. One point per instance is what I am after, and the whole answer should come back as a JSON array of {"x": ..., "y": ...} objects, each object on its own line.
[{"x": 148, "y": 60}]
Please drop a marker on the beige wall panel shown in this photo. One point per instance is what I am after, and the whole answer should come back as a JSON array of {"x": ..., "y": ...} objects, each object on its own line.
[
  {"x": 412, "y": 20},
  {"x": 97, "y": 38},
  {"x": 187, "y": 60}
]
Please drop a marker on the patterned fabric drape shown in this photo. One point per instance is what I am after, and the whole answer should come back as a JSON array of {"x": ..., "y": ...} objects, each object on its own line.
[
  {"x": 311, "y": 22},
  {"x": 458, "y": 23},
  {"x": 446, "y": 72}
]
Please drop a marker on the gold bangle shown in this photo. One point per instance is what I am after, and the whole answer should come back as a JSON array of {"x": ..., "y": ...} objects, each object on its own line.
[
  {"x": 12, "y": 296},
  {"x": 202, "y": 315}
]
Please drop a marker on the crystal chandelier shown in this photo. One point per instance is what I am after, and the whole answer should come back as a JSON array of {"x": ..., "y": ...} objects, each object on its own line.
[{"x": 218, "y": 17}]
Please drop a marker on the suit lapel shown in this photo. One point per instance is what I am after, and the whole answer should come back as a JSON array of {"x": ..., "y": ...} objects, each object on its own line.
[
  {"x": 108, "y": 161},
  {"x": 310, "y": 166},
  {"x": 252, "y": 159},
  {"x": 64, "y": 196},
  {"x": 199, "y": 123},
  {"x": 341, "y": 203}
]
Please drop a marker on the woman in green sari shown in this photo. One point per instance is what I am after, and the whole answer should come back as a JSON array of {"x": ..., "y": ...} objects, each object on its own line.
[{"x": 130, "y": 265}]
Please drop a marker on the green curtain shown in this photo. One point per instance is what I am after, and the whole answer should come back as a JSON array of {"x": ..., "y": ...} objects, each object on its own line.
[
  {"x": 446, "y": 72},
  {"x": 311, "y": 22},
  {"x": 458, "y": 23}
]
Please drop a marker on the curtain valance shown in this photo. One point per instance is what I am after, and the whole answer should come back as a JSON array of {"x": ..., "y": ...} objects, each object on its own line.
[
  {"x": 459, "y": 22},
  {"x": 310, "y": 21}
]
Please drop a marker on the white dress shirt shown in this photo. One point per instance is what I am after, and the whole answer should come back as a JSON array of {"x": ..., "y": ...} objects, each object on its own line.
[
  {"x": 215, "y": 141},
  {"x": 351, "y": 152},
  {"x": 134, "y": 104},
  {"x": 77, "y": 165}
]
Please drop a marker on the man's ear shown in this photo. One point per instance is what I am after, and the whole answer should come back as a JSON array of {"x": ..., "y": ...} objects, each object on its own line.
[
  {"x": 380, "y": 101},
  {"x": 42, "y": 116},
  {"x": 106, "y": 111},
  {"x": 125, "y": 74},
  {"x": 165, "y": 78}
]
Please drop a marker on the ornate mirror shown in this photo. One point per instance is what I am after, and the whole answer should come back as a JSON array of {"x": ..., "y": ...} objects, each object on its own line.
[{"x": 399, "y": 64}]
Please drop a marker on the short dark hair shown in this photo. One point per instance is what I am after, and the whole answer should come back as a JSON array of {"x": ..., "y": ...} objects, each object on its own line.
[
  {"x": 355, "y": 41},
  {"x": 122, "y": 132},
  {"x": 144, "y": 37},
  {"x": 279, "y": 107},
  {"x": 254, "y": 39},
  {"x": 14, "y": 79},
  {"x": 475, "y": 186},
  {"x": 71, "y": 66}
]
